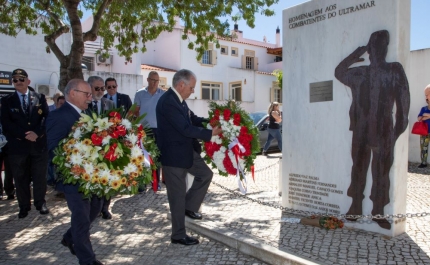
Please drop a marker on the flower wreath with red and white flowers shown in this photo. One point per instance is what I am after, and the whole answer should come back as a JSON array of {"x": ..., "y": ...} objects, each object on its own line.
[
  {"x": 234, "y": 150},
  {"x": 107, "y": 155}
]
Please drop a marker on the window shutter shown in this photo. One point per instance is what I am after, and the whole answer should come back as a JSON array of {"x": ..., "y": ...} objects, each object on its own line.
[
  {"x": 272, "y": 94},
  {"x": 214, "y": 57},
  {"x": 243, "y": 62},
  {"x": 255, "y": 63}
]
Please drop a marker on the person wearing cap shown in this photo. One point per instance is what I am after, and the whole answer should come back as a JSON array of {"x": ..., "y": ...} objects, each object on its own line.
[
  {"x": 23, "y": 116},
  {"x": 120, "y": 100}
]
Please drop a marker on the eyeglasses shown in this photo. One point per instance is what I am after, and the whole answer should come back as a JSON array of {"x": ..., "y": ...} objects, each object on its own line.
[
  {"x": 111, "y": 87},
  {"x": 102, "y": 88},
  {"x": 21, "y": 79},
  {"x": 87, "y": 94},
  {"x": 154, "y": 80}
]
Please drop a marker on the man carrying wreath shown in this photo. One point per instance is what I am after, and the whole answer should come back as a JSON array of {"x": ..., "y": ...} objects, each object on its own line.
[
  {"x": 178, "y": 129},
  {"x": 84, "y": 211}
]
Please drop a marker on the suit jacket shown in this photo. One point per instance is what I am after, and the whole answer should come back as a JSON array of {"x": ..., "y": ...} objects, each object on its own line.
[
  {"x": 178, "y": 128},
  {"x": 122, "y": 100},
  {"x": 106, "y": 104},
  {"x": 58, "y": 125},
  {"x": 15, "y": 123}
]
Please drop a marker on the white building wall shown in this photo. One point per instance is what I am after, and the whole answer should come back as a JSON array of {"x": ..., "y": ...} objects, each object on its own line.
[{"x": 29, "y": 53}]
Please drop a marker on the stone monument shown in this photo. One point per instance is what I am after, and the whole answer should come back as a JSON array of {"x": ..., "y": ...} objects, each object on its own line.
[{"x": 346, "y": 104}]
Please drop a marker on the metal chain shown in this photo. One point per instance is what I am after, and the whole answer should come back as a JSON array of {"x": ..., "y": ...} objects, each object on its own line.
[{"x": 235, "y": 194}]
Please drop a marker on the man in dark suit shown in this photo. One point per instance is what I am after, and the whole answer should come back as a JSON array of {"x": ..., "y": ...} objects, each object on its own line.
[
  {"x": 84, "y": 211},
  {"x": 120, "y": 100},
  {"x": 23, "y": 115},
  {"x": 178, "y": 129},
  {"x": 99, "y": 105}
]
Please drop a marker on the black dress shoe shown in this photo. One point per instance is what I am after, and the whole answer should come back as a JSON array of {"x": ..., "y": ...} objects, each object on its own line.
[
  {"x": 193, "y": 215},
  {"x": 106, "y": 215},
  {"x": 422, "y": 165},
  {"x": 69, "y": 245},
  {"x": 22, "y": 213},
  {"x": 187, "y": 241},
  {"x": 11, "y": 197},
  {"x": 43, "y": 209},
  {"x": 96, "y": 262}
]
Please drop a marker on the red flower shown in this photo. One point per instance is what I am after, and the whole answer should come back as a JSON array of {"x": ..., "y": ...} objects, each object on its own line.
[
  {"x": 229, "y": 168},
  {"x": 217, "y": 114},
  {"x": 97, "y": 140},
  {"x": 121, "y": 130},
  {"x": 114, "y": 134},
  {"x": 214, "y": 122},
  {"x": 140, "y": 128},
  {"x": 227, "y": 114},
  {"x": 211, "y": 148},
  {"x": 115, "y": 114},
  {"x": 236, "y": 119},
  {"x": 110, "y": 155}
]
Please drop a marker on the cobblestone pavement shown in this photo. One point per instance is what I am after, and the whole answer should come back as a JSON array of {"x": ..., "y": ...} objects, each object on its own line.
[
  {"x": 140, "y": 231},
  {"x": 341, "y": 246}
]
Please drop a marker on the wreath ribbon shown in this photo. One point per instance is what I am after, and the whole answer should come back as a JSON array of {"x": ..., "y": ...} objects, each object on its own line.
[
  {"x": 147, "y": 163},
  {"x": 237, "y": 149}
]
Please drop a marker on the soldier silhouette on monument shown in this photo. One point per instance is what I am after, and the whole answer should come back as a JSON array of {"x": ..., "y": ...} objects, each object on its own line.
[{"x": 375, "y": 89}]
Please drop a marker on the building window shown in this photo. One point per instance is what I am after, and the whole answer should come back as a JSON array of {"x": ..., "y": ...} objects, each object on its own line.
[
  {"x": 275, "y": 92},
  {"x": 224, "y": 50},
  {"x": 211, "y": 91},
  {"x": 249, "y": 61},
  {"x": 209, "y": 56},
  {"x": 236, "y": 91},
  {"x": 89, "y": 62},
  {"x": 234, "y": 51}
]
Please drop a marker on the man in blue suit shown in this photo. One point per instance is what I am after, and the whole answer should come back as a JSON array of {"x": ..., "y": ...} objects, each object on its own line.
[
  {"x": 178, "y": 129},
  {"x": 84, "y": 211},
  {"x": 120, "y": 100}
]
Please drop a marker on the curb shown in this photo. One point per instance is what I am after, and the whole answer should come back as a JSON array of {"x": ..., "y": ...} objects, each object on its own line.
[{"x": 245, "y": 244}]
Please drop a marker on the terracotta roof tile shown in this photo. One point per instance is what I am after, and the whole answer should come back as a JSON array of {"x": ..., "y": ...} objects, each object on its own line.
[{"x": 156, "y": 68}]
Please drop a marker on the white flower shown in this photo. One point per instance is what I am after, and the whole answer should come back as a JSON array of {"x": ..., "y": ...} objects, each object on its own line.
[
  {"x": 77, "y": 134},
  {"x": 93, "y": 153},
  {"x": 105, "y": 173},
  {"x": 88, "y": 126},
  {"x": 130, "y": 168},
  {"x": 132, "y": 138},
  {"x": 106, "y": 140},
  {"x": 135, "y": 151},
  {"x": 126, "y": 123},
  {"x": 103, "y": 124},
  {"x": 89, "y": 168},
  {"x": 84, "y": 118},
  {"x": 79, "y": 146},
  {"x": 76, "y": 159}
]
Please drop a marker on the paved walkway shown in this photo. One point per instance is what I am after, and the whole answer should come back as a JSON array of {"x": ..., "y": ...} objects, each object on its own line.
[{"x": 140, "y": 231}]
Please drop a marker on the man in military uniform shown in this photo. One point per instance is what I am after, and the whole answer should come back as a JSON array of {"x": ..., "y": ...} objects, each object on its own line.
[{"x": 23, "y": 116}]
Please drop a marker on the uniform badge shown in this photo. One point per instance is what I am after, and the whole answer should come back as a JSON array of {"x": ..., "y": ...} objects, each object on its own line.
[{"x": 40, "y": 112}]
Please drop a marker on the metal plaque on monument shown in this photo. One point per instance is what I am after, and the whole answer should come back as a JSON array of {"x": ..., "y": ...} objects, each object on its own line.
[{"x": 346, "y": 104}]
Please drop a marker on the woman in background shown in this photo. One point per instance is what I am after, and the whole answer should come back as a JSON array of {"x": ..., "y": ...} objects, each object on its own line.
[
  {"x": 424, "y": 139},
  {"x": 273, "y": 128}
]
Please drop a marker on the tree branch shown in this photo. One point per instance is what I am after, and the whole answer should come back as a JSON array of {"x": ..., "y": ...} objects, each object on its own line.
[
  {"x": 92, "y": 33},
  {"x": 50, "y": 40}
]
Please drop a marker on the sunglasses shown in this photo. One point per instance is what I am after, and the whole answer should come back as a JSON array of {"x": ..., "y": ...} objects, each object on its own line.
[
  {"x": 111, "y": 87},
  {"x": 99, "y": 88},
  {"x": 21, "y": 79}
]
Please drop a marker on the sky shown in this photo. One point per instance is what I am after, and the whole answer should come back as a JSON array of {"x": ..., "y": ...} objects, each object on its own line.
[{"x": 266, "y": 26}]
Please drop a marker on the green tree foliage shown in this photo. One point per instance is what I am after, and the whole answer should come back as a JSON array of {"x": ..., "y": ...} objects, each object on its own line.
[
  {"x": 278, "y": 74},
  {"x": 123, "y": 24}
]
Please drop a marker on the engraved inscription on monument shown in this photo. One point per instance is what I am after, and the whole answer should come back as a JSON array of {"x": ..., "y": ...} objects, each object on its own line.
[
  {"x": 310, "y": 192},
  {"x": 321, "y": 91}
]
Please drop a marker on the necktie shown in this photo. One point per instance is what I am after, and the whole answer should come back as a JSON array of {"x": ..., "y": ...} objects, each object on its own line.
[
  {"x": 24, "y": 104},
  {"x": 111, "y": 98},
  {"x": 95, "y": 107}
]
